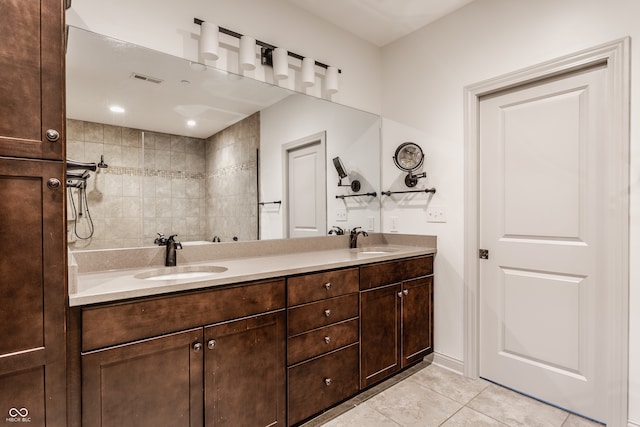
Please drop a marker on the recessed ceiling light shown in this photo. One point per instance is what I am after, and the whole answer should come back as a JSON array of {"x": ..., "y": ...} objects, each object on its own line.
[
  {"x": 116, "y": 109},
  {"x": 191, "y": 123}
]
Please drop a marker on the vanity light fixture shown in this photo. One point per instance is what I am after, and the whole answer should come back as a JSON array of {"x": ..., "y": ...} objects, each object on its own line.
[
  {"x": 247, "y": 53},
  {"x": 308, "y": 72},
  {"x": 267, "y": 57},
  {"x": 409, "y": 157},
  {"x": 280, "y": 63},
  {"x": 208, "y": 45}
]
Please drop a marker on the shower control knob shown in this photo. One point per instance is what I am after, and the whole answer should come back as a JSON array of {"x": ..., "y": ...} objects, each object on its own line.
[
  {"x": 54, "y": 183},
  {"x": 52, "y": 135}
]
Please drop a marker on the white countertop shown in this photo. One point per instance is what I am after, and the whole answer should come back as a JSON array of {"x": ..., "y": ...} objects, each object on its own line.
[{"x": 118, "y": 284}]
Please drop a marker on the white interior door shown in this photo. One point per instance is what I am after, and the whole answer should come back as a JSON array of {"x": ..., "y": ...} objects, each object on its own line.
[
  {"x": 542, "y": 204},
  {"x": 306, "y": 189}
]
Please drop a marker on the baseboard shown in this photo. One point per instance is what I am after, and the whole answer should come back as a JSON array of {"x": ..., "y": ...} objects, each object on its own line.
[{"x": 450, "y": 363}]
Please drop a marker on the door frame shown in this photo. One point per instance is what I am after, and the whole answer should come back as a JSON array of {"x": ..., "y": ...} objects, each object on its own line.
[
  {"x": 616, "y": 56},
  {"x": 291, "y": 146}
]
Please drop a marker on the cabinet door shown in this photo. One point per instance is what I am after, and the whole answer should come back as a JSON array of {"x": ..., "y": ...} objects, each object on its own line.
[
  {"x": 245, "y": 372},
  {"x": 32, "y": 291},
  {"x": 156, "y": 382},
  {"x": 380, "y": 340},
  {"x": 32, "y": 78},
  {"x": 417, "y": 319}
]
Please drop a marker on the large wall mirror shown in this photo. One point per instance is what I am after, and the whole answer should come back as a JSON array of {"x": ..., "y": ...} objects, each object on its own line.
[{"x": 185, "y": 149}]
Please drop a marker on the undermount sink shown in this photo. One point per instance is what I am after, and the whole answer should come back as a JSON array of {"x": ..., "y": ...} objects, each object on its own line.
[
  {"x": 375, "y": 250},
  {"x": 181, "y": 272}
]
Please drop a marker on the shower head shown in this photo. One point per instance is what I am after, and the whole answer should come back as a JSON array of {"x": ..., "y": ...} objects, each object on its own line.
[
  {"x": 102, "y": 164},
  {"x": 74, "y": 164}
]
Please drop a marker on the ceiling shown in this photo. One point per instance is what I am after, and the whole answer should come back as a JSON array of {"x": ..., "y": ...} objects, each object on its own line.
[{"x": 380, "y": 21}]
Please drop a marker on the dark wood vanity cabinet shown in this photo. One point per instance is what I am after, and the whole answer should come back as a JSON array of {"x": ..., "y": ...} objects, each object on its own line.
[
  {"x": 228, "y": 370},
  {"x": 265, "y": 353},
  {"x": 155, "y": 382},
  {"x": 323, "y": 351},
  {"x": 396, "y": 316}
]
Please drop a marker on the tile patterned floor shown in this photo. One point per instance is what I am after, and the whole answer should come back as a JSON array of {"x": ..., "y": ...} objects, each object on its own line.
[{"x": 428, "y": 395}]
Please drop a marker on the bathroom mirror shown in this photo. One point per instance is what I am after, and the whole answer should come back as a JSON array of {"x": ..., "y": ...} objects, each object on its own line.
[{"x": 199, "y": 152}]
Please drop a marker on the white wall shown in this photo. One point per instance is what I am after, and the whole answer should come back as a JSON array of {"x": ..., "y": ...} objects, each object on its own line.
[
  {"x": 351, "y": 134},
  {"x": 423, "y": 79},
  {"x": 167, "y": 26}
]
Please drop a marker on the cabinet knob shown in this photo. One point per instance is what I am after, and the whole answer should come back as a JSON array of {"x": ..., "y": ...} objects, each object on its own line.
[
  {"x": 327, "y": 340},
  {"x": 327, "y": 312},
  {"x": 52, "y": 135},
  {"x": 327, "y": 381},
  {"x": 406, "y": 291},
  {"x": 197, "y": 347},
  {"x": 400, "y": 294},
  {"x": 327, "y": 285},
  {"x": 211, "y": 344},
  {"x": 54, "y": 183}
]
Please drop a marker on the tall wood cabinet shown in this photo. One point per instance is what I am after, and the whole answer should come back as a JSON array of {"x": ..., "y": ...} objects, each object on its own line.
[{"x": 33, "y": 261}]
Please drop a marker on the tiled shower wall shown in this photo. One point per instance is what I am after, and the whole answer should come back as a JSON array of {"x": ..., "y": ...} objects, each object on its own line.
[
  {"x": 232, "y": 181},
  {"x": 146, "y": 189}
]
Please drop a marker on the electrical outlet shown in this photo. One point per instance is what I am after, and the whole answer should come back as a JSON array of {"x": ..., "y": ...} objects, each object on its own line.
[
  {"x": 394, "y": 224},
  {"x": 341, "y": 215},
  {"x": 436, "y": 214},
  {"x": 371, "y": 223}
]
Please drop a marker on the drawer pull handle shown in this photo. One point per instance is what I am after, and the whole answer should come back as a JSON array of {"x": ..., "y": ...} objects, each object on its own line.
[
  {"x": 197, "y": 347},
  {"x": 327, "y": 312},
  {"x": 406, "y": 291},
  {"x": 327, "y": 285},
  {"x": 327, "y": 381},
  {"x": 211, "y": 344},
  {"x": 327, "y": 340}
]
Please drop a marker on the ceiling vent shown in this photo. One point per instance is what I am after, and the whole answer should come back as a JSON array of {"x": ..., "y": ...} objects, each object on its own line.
[{"x": 149, "y": 79}]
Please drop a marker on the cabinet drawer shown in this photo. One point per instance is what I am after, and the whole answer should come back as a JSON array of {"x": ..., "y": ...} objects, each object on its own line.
[
  {"x": 315, "y": 287},
  {"x": 323, "y": 340},
  {"x": 320, "y": 383},
  {"x": 120, "y": 323},
  {"x": 322, "y": 313},
  {"x": 385, "y": 273}
]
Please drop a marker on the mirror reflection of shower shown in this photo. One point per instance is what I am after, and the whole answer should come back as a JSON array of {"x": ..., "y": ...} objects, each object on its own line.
[{"x": 76, "y": 177}]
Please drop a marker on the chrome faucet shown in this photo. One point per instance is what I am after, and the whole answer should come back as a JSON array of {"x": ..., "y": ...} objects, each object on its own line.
[
  {"x": 353, "y": 238},
  {"x": 170, "y": 254}
]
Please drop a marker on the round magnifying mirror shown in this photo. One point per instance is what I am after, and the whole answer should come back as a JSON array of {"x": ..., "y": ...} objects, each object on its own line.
[{"x": 408, "y": 156}]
